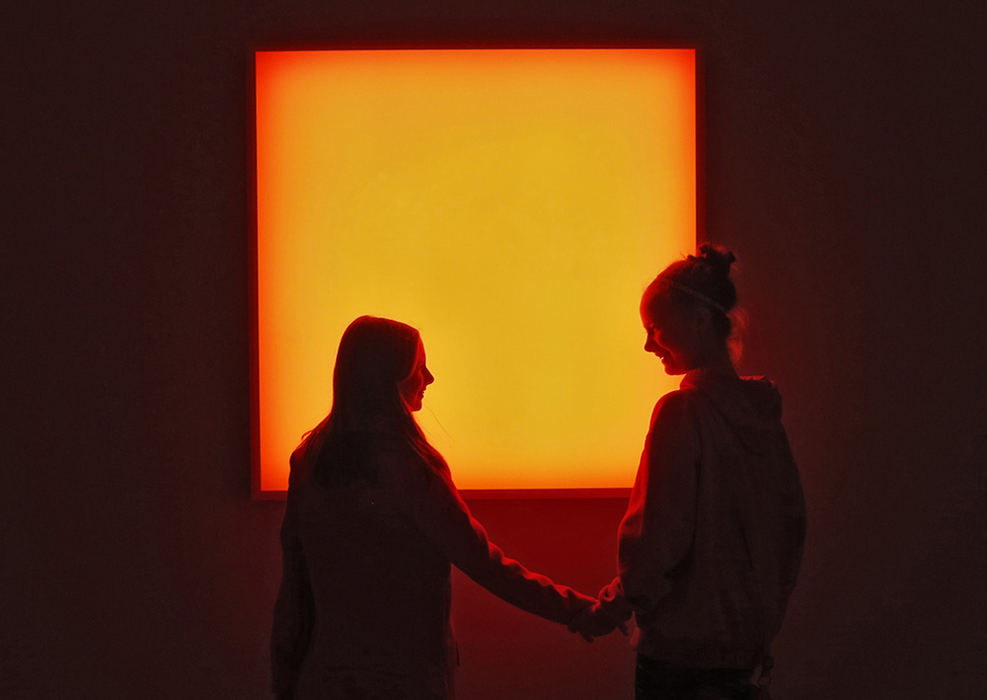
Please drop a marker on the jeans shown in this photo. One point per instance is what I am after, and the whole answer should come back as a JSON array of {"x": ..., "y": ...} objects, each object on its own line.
[{"x": 657, "y": 680}]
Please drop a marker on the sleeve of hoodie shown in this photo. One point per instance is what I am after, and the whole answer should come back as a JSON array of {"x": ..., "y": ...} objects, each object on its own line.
[
  {"x": 294, "y": 609},
  {"x": 795, "y": 529},
  {"x": 439, "y": 512},
  {"x": 656, "y": 532}
]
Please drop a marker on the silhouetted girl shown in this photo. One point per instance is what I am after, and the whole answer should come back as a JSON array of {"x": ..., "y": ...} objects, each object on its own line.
[
  {"x": 371, "y": 525},
  {"x": 711, "y": 542}
]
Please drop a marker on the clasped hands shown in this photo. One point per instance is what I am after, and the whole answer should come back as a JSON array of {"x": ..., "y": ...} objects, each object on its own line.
[{"x": 593, "y": 621}]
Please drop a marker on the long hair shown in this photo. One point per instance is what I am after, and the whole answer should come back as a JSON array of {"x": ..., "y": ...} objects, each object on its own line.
[{"x": 374, "y": 355}]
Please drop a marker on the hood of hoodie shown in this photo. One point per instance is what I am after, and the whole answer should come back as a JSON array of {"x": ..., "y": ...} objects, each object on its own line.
[{"x": 751, "y": 406}]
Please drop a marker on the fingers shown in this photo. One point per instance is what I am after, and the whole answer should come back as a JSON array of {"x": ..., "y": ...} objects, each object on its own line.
[
  {"x": 579, "y": 621},
  {"x": 593, "y": 622}
]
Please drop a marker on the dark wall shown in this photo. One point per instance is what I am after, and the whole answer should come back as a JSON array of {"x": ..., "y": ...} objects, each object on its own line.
[{"x": 844, "y": 150}]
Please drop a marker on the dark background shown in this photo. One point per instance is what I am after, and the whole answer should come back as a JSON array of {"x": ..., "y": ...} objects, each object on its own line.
[{"x": 844, "y": 149}]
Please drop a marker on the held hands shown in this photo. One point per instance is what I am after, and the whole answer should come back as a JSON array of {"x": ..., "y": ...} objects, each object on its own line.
[{"x": 594, "y": 621}]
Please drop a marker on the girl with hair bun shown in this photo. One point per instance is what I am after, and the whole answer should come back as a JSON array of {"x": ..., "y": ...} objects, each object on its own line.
[{"x": 710, "y": 545}]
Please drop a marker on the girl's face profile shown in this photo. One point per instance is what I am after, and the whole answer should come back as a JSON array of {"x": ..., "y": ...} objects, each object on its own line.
[
  {"x": 671, "y": 339},
  {"x": 412, "y": 387}
]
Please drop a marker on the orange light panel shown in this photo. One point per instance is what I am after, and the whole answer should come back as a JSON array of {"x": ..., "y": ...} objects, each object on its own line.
[{"x": 510, "y": 204}]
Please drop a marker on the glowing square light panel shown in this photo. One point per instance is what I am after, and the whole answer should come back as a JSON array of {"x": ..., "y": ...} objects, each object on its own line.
[{"x": 510, "y": 204}]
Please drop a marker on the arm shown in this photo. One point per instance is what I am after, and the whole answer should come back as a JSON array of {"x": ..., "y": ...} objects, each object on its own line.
[
  {"x": 435, "y": 506},
  {"x": 656, "y": 531},
  {"x": 294, "y": 609},
  {"x": 796, "y": 529}
]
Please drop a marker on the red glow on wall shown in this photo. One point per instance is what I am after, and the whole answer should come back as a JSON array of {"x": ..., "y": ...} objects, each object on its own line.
[{"x": 512, "y": 205}]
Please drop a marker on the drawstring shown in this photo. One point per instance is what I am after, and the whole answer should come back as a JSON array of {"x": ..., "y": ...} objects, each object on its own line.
[{"x": 762, "y": 676}]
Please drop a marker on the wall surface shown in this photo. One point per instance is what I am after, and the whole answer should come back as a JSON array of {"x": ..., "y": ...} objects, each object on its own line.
[{"x": 843, "y": 153}]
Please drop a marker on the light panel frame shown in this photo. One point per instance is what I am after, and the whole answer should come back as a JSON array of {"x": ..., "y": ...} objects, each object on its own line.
[{"x": 261, "y": 487}]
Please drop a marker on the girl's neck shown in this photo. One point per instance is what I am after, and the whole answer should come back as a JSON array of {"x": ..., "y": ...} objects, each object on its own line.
[{"x": 720, "y": 363}]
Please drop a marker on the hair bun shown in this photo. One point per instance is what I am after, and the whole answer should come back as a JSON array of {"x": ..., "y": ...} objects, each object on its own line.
[{"x": 717, "y": 257}]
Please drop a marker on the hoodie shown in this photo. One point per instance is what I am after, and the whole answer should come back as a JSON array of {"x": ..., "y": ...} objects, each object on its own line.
[
  {"x": 364, "y": 604},
  {"x": 710, "y": 545}
]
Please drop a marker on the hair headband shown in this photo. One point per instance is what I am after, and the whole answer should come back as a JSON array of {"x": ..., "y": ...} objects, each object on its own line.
[{"x": 693, "y": 293}]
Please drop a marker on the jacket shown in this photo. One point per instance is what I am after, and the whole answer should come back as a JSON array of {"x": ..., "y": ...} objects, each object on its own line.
[
  {"x": 364, "y": 605},
  {"x": 710, "y": 545}
]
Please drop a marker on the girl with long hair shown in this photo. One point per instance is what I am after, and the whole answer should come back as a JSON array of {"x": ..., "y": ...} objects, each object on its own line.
[
  {"x": 372, "y": 523},
  {"x": 711, "y": 542}
]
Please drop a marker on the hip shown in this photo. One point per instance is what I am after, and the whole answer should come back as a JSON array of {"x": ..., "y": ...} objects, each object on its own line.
[{"x": 659, "y": 680}]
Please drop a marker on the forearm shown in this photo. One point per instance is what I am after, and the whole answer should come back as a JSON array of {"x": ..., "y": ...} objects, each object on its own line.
[
  {"x": 294, "y": 612},
  {"x": 532, "y": 592},
  {"x": 290, "y": 634},
  {"x": 446, "y": 520}
]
